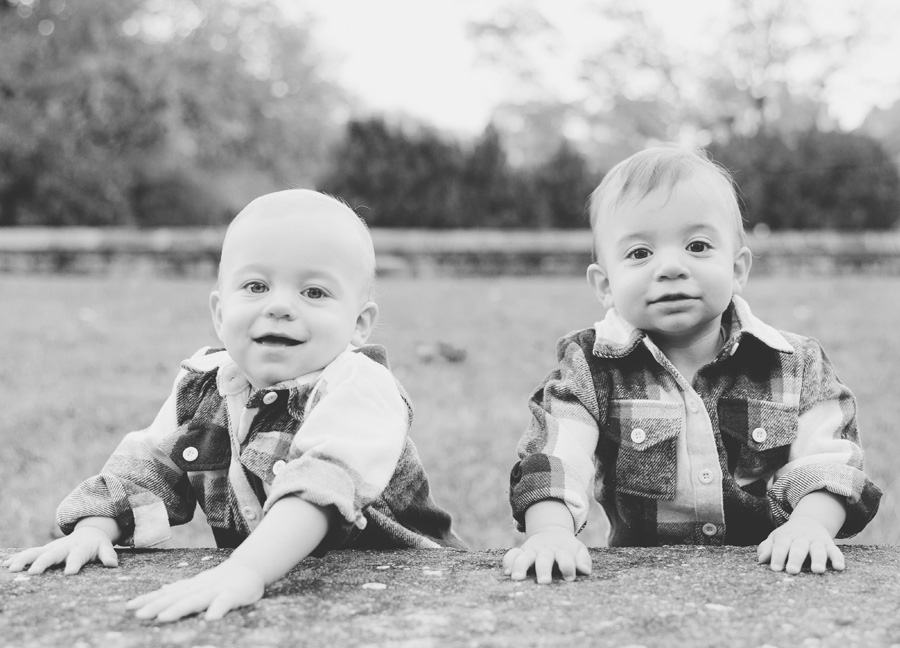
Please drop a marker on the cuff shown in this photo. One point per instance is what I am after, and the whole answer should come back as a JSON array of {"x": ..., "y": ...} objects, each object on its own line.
[
  {"x": 861, "y": 496},
  {"x": 323, "y": 483},
  {"x": 532, "y": 480}
]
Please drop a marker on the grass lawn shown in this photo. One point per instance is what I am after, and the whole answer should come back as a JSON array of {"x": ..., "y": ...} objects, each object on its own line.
[{"x": 86, "y": 359}]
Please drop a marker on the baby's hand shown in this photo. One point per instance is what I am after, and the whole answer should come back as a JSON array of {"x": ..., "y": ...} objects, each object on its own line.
[
  {"x": 83, "y": 545},
  {"x": 544, "y": 549},
  {"x": 218, "y": 590},
  {"x": 788, "y": 546}
]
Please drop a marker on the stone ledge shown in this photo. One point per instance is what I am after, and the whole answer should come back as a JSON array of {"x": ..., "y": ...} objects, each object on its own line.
[
  {"x": 668, "y": 596},
  {"x": 416, "y": 252}
]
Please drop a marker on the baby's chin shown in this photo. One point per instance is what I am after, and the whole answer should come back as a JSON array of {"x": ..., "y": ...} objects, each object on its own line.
[{"x": 269, "y": 379}]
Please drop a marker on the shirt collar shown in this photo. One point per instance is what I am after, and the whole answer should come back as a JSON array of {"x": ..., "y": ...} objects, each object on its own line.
[
  {"x": 231, "y": 381},
  {"x": 616, "y": 338}
]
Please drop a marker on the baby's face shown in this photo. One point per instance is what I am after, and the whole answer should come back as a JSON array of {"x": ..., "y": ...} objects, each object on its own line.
[
  {"x": 670, "y": 262},
  {"x": 293, "y": 289}
]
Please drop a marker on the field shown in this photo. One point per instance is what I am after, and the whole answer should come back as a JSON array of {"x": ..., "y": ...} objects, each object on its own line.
[{"x": 86, "y": 359}]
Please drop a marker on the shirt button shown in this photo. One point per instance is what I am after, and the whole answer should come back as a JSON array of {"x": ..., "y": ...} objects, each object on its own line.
[
  {"x": 692, "y": 405},
  {"x": 709, "y": 529},
  {"x": 759, "y": 434},
  {"x": 249, "y": 513},
  {"x": 270, "y": 397},
  {"x": 638, "y": 435},
  {"x": 705, "y": 476},
  {"x": 190, "y": 453},
  {"x": 277, "y": 467}
]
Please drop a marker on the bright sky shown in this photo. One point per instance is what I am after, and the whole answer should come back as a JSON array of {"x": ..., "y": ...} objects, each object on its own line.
[{"x": 414, "y": 57}]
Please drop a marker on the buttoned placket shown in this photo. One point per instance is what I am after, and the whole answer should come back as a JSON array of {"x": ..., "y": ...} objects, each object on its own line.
[
  {"x": 248, "y": 504},
  {"x": 698, "y": 486}
]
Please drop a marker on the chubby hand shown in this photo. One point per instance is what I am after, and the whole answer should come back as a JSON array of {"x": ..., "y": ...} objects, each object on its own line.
[
  {"x": 788, "y": 546},
  {"x": 83, "y": 545},
  {"x": 218, "y": 590},
  {"x": 544, "y": 549}
]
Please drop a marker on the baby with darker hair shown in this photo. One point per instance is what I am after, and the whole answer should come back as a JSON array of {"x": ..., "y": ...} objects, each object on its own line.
[
  {"x": 690, "y": 420},
  {"x": 293, "y": 438}
]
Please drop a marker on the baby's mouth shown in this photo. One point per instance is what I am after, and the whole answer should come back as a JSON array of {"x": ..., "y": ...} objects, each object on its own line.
[
  {"x": 671, "y": 298},
  {"x": 276, "y": 340}
]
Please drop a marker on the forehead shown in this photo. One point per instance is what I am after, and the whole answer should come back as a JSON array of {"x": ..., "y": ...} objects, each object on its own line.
[
  {"x": 698, "y": 198},
  {"x": 297, "y": 204},
  {"x": 305, "y": 226}
]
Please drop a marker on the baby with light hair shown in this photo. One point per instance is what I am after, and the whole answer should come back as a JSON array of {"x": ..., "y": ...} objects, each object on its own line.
[
  {"x": 690, "y": 420},
  {"x": 293, "y": 438}
]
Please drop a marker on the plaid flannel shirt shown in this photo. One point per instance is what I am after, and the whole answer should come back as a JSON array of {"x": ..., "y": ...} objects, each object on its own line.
[
  {"x": 335, "y": 437},
  {"x": 721, "y": 461}
]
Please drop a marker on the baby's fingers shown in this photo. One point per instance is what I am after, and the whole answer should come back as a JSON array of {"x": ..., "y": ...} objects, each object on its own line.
[
  {"x": 543, "y": 566},
  {"x": 818, "y": 558},
  {"x": 836, "y": 557},
  {"x": 566, "y": 563},
  {"x": 583, "y": 562},
  {"x": 49, "y": 555},
  {"x": 222, "y": 604},
  {"x": 509, "y": 558},
  {"x": 18, "y": 562},
  {"x": 764, "y": 551},
  {"x": 76, "y": 559},
  {"x": 107, "y": 555},
  {"x": 523, "y": 561},
  {"x": 150, "y": 598},
  {"x": 779, "y": 555},
  {"x": 171, "y": 607},
  {"x": 821, "y": 553},
  {"x": 797, "y": 555}
]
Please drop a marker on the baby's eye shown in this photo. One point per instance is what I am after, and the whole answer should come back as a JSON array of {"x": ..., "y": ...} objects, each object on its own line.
[
  {"x": 315, "y": 293},
  {"x": 698, "y": 246},
  {"x": 639, "y": 254},
  {"x": 256, "y": 287}
]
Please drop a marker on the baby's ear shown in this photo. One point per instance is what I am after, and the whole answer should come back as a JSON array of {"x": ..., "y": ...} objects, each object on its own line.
[
  {"x": 365, "y": 322},
  {"x": 215, "y": 308},
  {"x": 742, "y": 262},
  {"x": 599, "y": 281}
]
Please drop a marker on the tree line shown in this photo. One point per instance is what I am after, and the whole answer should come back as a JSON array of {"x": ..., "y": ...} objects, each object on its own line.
[
  {"x": 137, "y": 113},
  {"x": 127, "y": 113},
  {"x": 397, "y": 177}
]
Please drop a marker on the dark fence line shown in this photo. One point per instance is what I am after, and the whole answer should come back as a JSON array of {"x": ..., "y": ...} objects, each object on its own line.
[{"x": 195, "y": 252}]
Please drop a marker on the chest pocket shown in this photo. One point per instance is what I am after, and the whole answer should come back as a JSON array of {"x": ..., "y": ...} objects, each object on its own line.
[
  {"x": 759, "y": 432},
  {"x": 201, "y": 446},
  {"x": 646, "y": 432},
  {"x": 202, "y": 449}
]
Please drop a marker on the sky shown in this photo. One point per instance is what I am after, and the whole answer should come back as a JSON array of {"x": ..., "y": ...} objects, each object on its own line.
[{"x": 414, "y": 56}]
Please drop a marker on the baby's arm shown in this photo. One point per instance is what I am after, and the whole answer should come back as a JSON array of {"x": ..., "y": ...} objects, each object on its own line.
[
  {"x": 91, "y": 540},
  {"x": 823, "y": 491},
  {"x": 810, "y": 531},
  {"x": 550, "y": 541},
  {"x": 344, "y": 454},
  {"x": 288, "y": 533}
]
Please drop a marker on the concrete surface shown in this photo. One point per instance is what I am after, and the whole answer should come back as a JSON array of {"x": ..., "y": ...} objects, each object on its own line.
[{"x": 669, "y": 596}]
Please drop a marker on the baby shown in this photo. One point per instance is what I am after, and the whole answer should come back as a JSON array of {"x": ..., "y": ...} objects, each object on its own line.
[
  {"x": 293, "y": 438},
  {"x": 691, "y": 421}
]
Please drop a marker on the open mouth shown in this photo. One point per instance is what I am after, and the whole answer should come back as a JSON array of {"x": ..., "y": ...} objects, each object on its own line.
[{"x": 276, "y": 340}]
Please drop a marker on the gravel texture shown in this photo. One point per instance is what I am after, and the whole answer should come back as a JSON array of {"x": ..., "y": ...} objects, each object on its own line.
[{"x": 669, "y": 596}]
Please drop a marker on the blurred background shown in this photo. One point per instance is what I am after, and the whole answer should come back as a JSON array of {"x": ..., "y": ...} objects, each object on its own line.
[{"x": 468, "y": 134}]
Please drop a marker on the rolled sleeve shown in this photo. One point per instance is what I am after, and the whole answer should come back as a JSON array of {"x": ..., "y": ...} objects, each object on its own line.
[
  {"x": 556, "y": 452},
  {"x": 348, "y": 446},
  {"x": 826, "y": 454},
  {"x": 139, "y": 487}
]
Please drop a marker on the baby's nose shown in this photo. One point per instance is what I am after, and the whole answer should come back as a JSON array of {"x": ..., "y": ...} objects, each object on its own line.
[
  {"x": 670, "y": 266},
  {"x": 280, "y": 306}
]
